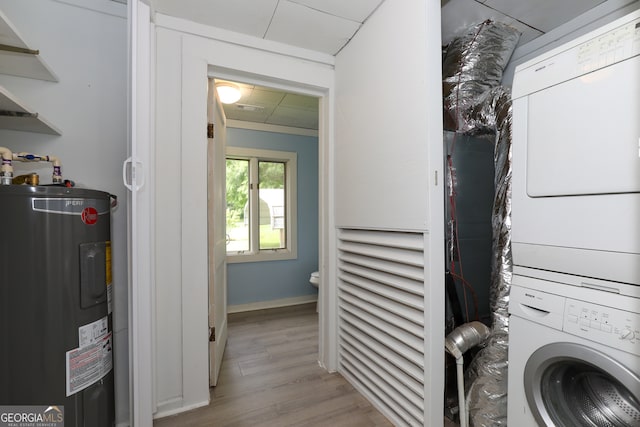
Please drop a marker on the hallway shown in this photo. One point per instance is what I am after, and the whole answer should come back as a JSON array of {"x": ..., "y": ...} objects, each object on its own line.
[{"x": 270, "y": 377}]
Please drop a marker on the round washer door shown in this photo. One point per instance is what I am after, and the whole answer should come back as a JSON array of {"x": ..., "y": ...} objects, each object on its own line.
[{"x": 569, "y": 385}]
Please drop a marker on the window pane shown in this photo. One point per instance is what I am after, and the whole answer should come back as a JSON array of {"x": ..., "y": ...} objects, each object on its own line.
[
  {"x": 272, "y": 209},
  {"x": 238, "y": 223}
]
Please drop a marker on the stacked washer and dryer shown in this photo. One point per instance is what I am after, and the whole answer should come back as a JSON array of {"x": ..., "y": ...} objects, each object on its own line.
[{"x": 574, "y": 334}]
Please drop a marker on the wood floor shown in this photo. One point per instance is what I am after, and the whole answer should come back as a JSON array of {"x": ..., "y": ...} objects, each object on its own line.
[{"x": 270, "y": 377}]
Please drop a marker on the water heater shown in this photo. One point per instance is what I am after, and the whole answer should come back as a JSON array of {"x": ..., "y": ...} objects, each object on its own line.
[{"x": 55, "y": 302}]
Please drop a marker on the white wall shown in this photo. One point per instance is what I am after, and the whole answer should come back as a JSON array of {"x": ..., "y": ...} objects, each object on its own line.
[
  {"x": 186, "y": 54},
  {"x": 382, "y": 87},
  {"x": 86, "y": 47},
  {"x": 388, "y": 149}
]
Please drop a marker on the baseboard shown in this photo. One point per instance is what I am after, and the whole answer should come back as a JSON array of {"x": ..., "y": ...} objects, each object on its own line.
[
  {"x": 172, "y": 410},
  {"x": 262, "y": 305}
]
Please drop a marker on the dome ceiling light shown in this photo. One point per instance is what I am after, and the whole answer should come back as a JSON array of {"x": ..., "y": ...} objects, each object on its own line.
[{"x": 228, "y": 93}]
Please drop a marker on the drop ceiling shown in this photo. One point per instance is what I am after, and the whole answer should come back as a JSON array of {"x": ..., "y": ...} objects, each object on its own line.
[
  {"x": 532, "y": 17},
  {"x": 319, "y": 25},
  {"x": 269, "y": 106},
  {"x": 327, "y": 26}
]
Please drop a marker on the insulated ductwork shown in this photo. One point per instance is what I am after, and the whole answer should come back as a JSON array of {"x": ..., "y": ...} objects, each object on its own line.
[
  {"x": 475, "y": 103},
  {"x": 460, "y": 340},
  {"x": 473, "y": 65},
  {"x": 487, "y": 374}
]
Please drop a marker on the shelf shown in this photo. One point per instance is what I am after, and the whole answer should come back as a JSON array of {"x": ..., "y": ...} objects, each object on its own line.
[
  {"x": 17, "y": 59},
  {"x": 16, "y": 116}
]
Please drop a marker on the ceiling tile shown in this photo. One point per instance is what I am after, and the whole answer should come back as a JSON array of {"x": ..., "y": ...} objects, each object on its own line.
[
  {"x": 537, "y": 13},
  {"x": 303, "y": 102},
  {"x": 294, "y": 117},
  {"x": 301, "y": 26},
  {"x": 263, "y": 97},
  {"x": 243, "y": 16},
  {"x": 355, "y": 10},
  {"x": 236, "y": 112}
]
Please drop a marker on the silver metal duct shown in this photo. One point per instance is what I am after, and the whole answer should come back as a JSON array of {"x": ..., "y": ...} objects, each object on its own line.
[
  {"x": 473, "y": 64},
  {"x": 487, "y": 374},
  {"x": 461, "y": 339},
  {"x": 475, "y": 103}
]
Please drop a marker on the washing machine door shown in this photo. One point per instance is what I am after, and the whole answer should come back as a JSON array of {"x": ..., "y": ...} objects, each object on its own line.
[{"x": 569, "y": 384}]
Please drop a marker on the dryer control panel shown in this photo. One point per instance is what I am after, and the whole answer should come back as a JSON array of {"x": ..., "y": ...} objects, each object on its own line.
[{"x": 606, "y": 325}]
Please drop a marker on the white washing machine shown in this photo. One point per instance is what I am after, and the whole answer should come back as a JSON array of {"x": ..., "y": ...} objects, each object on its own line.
[{"x": 574, "y": 351}]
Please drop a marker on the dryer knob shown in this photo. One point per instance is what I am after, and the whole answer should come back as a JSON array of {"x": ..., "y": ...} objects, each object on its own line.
[{"x": 627, "y": 334}]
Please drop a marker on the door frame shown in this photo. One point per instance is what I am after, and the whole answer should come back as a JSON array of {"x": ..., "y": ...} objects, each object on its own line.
[
  {"x": 327, "y": 353},
  {"x": 140, "y": 233},
  {"x": 187, "y": 55}
]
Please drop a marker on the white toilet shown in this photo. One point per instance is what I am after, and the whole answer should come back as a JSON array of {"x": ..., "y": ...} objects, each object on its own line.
[
  {"x": 315, "y": 281},
  {"x": 315, "y": 278}
]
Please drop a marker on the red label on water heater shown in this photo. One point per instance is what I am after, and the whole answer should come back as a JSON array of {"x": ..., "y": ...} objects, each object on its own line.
[{"x": 89, "y": 215}]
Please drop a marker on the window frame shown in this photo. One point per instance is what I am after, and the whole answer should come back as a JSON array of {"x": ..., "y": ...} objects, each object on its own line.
[{"x": 255, "y": 254}]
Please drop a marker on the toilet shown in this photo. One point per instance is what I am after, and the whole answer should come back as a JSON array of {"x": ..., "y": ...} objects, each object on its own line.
[
  {"x": 315, "y": 278},
  {"x": 315, "y": 281}
]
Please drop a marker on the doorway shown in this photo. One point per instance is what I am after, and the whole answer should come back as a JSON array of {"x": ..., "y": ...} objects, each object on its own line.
[
  {"x": 266, "y": 123},
  {"x": 183, "y": 66}
]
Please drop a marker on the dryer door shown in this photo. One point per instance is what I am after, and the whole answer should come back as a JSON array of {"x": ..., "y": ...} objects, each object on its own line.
[{"x": 568, "y": 384}]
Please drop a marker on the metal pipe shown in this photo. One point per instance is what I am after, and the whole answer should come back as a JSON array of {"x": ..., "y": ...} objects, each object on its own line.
[{"x": 461, "y": 339}]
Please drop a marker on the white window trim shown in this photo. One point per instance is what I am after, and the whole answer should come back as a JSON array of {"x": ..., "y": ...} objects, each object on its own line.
[{"x": 291, "y": 202}]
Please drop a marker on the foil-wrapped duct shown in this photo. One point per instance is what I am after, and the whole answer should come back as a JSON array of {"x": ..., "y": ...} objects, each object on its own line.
[
  {"x": 473, "y": 64},
  {"x": 487, "y": 374}
]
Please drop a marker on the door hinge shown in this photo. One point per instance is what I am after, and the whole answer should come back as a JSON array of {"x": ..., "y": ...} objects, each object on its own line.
[{"x": 210, "y": 130}]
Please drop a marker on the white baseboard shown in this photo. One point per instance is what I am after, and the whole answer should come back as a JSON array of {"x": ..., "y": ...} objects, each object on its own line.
[
  {"x": 262, "y": 305},
  {"x": 172, "y": 410}
]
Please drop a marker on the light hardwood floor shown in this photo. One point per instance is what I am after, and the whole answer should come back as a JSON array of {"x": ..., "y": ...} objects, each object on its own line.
[{"x": 270, "y": 377}]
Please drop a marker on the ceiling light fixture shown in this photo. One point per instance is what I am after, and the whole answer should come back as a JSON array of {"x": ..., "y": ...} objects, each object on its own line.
[{"x": 228, "y": 93}]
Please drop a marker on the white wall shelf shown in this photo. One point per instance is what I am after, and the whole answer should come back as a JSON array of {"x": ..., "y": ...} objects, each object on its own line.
[
  {"x": 17, "y": 116},
  {"x": 17, "y": 59}
]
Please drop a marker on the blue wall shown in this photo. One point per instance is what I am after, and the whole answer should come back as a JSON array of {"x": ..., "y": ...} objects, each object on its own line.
[{"x": 251, "y": 282}]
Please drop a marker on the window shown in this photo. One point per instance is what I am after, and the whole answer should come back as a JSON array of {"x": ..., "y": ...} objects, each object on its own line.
[{"x": 261, "y": 205}]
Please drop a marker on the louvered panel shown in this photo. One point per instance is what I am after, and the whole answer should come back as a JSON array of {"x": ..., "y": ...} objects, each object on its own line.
[
  {"x": 384, "y": 380},
  {"x": 386, "y": 395},
  {"x": 374, "y": 264},
  {"x": 402, "y": 349},
  {"x": 390, "y": 239},
  {"x": 394, "y": 330},
  {"x": 398, "y": 296},
  {"x": 398, "y": 363},
  {"x": 375, "y": 399},
  {"x": 410, "y": 283},
  {"x": 412, "y": 320},
  {"x": 381, "y": 306},
  {"x": 397, "y": 255},
  {"x": 378, "y": 363},
  {"x": 363, "y": 388}
]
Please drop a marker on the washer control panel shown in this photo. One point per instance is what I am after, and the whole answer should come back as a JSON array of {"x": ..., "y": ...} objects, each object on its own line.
[{"x": 606, "y": 325}]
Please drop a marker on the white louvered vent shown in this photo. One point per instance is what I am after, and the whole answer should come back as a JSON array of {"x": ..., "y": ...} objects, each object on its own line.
[{"x": 381, "y": 304}]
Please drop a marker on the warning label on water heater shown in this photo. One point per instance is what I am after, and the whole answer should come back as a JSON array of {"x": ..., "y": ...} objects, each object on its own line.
[{"x": 92, "y": 360}]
